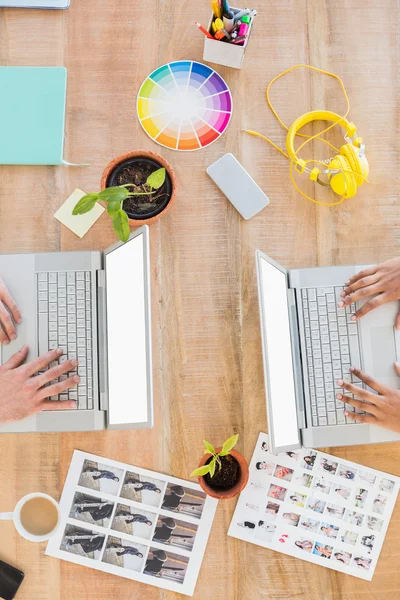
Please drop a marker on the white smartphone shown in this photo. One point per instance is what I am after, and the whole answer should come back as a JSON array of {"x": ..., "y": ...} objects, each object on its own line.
[{"x": 237, "y": 185}]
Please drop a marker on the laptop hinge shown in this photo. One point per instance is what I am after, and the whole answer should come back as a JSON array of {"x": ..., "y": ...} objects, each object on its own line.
[
  {"x": 102, "y": 338},
  {"x": 297, "y": 365}
]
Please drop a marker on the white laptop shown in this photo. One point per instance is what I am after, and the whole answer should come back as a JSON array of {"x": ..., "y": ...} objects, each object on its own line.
[
  {"x": 308, "y": 344},
  {"x": 34, "y": 3},
  {"x": 96, "y": 307}
]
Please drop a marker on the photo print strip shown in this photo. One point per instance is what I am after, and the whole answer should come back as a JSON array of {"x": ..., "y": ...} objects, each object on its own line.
[
  {"x": 320, "y": 508},
  {"x": 133, "y": 523}
]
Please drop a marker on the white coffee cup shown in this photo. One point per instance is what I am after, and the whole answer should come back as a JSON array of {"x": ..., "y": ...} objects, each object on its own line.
[{"x": 16, "y": 517}]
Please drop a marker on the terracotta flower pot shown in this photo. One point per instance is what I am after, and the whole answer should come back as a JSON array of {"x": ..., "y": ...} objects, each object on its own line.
[
  {"x": 146, "y": 154},
  {"x": 237, "y": 488}
]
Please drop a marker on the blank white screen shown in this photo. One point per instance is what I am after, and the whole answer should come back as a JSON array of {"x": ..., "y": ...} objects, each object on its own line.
[
  {"x": 282, "y": 400},
  {"x": 126, "y": 333}
]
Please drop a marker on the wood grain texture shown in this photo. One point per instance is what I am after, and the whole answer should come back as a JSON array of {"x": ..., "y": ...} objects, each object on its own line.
[{"x": 207, "y": 353}]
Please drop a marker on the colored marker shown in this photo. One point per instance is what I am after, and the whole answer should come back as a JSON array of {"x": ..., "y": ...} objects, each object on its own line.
[
  {"x": 226, "y": 6},
  {"x": 216, "y": 8},
  {"x": 204, "y": 30},
  {"x": 218, "y": 24},
  {"x": 238, "y": 40},
  {"x": 220, "y": 34},
  {"x": 229, "y": 21},
  {"x": 241, "y": 13},
  {"x": 244, "y": 28}
]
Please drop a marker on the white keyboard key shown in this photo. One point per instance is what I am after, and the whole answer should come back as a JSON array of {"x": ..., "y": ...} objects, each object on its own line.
[
  {"x": 336, "y": 364},
  {"x": 53, "y": 326},
  {"x": 342, "y": 331},
  {"x": 320, "y": 292},
  {"x": 334, "y": 336},
  {"x": 331, "y": 308},
  {"x": 320, "y": 393},
  {"x": 62, "y": 331},
  {"x": 42, "y": 286},
  {"x": 312, "y": 306},
  {"x": 80, "y": 285},
  {"x": 53, "y": 336},
  {"x": 52, "y": 288},
  {"x": 81, "y": 332},
  {"x": 352, "y": 329},
  {"x": 62, "y": 340},
  {"x": 322, "y": 310},
  {"x": 330, "y": 406},
  {"x": 42, "y": 295},
  {"x": 62, "y": 279},
  {"x": 322, "y": 421},
  {"x": 330, "y": 298},
  {"x": 62, "y": 302},
  {"x": 312, "y": 295},
  {"x": 71, "y": 277},
  {"x": 313, "y": 316},
  {"x": 315, "y": 421},
  {"x": 331, "y": 418},
  {"x": 323, "y": 320},
  {"x": 328, "y": 388},
  {"x": 341, "y": 420},
  {"x": 42, "y": 276},
  {"x": 71, "y": 289},
  {"x": 80, "y": 276},
  {"x": 314, "y": 325},
  {"x": 326, "y": 358}
]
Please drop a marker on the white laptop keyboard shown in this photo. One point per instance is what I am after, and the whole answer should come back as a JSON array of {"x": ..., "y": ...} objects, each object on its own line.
[
  {"x": 332, "y": 346},
  {"x": 65, "y": 321}
]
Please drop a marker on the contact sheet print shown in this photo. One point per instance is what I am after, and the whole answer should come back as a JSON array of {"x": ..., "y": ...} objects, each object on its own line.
[
  {"x": 316, "y": 507},
  {"x": 133, "y": 523}
]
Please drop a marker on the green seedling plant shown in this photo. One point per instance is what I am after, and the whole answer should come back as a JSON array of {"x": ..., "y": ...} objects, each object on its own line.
[
  {"x": 216, "y": 457},
  {"x": 115, "y": 196}
]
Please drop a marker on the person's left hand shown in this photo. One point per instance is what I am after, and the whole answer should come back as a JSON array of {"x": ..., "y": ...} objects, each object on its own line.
[
  {"x": 9, "y": 314},
  {"x": 384, "y": 407}
]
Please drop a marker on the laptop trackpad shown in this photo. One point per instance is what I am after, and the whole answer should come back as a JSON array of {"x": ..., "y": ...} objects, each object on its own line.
[{"x": 383, "y": 343}]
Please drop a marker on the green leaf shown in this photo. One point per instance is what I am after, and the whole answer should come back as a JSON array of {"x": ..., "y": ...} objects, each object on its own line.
[
  {"x": 85, "y": 204},
  {"x": 228, "y": 445},
  {"x": 156, "y": 179},
  {"x": 211, "y": 464},
  {"x": 113, "y": 207},
  {"x": 209, "y": 448},
  {"x": 200, "y": 471},
  {"x": 121, "y": 225},
  {"x": 113, "y": 194}
]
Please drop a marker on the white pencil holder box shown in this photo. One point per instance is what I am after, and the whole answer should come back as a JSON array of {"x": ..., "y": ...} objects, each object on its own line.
[{"x": 222, "y": 53}]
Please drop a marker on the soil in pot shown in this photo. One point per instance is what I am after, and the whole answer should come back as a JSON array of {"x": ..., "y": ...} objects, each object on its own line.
[
  {"x": 226, "y": 477},
  {"x": 136, "y": 171}
]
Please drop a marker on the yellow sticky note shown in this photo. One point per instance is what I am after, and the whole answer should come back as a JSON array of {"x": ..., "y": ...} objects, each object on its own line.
[{"x": 79, "y": 224}]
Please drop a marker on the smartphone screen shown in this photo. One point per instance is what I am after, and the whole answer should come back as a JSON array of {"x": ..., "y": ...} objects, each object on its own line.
[{"x": 10, "y": 580}]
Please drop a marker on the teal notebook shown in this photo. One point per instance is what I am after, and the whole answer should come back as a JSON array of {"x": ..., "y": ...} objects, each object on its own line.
[{"x": 32, "y": 115}]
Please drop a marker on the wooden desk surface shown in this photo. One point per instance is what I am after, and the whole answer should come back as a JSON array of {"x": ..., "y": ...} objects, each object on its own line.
[{"x": 207, "y": 353}]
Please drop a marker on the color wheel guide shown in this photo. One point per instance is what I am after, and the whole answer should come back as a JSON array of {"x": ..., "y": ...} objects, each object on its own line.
[{"x": 184, "y": 105}]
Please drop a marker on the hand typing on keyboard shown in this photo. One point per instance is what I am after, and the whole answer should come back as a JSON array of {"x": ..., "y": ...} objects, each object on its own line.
[
  {"x": 384, "y": 406},
  {"x": 9, "y": 313},
  {"x": 382, "y": 282},
  {"x": 25, "y": 388}
]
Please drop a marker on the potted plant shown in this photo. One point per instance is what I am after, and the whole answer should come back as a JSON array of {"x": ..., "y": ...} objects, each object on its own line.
[
  {"x": 223, "y": 472},
  {"x": 138, "y": 187}
]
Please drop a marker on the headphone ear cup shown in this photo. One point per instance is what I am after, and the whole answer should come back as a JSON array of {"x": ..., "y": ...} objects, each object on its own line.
[
  {"x": 358, "y": 165},
  {"x": 343, "y": 183}
]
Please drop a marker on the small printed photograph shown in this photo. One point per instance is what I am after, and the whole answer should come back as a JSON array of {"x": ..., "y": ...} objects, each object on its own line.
[
  {"x": 322, "y": 485},
  {"x": 172, "y": 532},
  {"x": 91, "y": 509},
  {"x": 309, "y": 460},
  {"x": 141, "y": 488},
  {"x": 127, "y": 555},
  {"x": 335, "y": 510},
  {"x": 135, "y": 521},
  {"x": 165, "y": 565},
  {"x": 250, "y": 525},
  {"x": 294, "y": 455},
  {"x": 252, "y": 506},
  {"x": 374, "y": 523},
  {"x": 272, "y": 509},
  {"x": 322, "y": 550},
  {"x": 183, "y": 500},
  {"x": 100, "y": 477},
  {"x": 341, "y": 490},
  {"x": 346, "y": 472},
  {"x": 256, "y": 485},
  {"x": 362, "y": 563},
  {"x": 329, "y": 466},
  {"x": 368, "y": 541},
  {"x": 265, "y": 466},
  {"x": 309, "y": 524},
  {"x": 283, "y": 473},
  {"x": 283, "y": 538},
  {"x": 297, "y": 499},
  {"x": 277, "y": 492},
  {"x": 291, "y": 518},
  {"x": 304, "y": 479},
  {"x": 386, "y": 485},
  {"x": 379, "y": 503},
  {"x": 265, "y": 531},
  {"x": 316, "y": 505},
  {"x": 360, "y": 498},
  {"x": 264, "y": 446},
  {"x": 349, "y": 537},
  {"x": 342, "y": 556},
  {"x": 82, "y": 542},
  {"x": 331, "y": 531},
  {"x": 353, "y": 517},
  {"x": 366, "y": 477},
  {"x": 303, "y": 544}
]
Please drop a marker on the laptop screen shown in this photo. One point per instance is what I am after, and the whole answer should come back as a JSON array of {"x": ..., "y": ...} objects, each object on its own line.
[
  {"x": 126, "y": 333},
  {"x": 278, "y": 355}
]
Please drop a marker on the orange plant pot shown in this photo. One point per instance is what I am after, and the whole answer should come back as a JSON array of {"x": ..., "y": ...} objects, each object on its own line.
[
  {"x": 237, "y": 488},
  {"x": 145, "y": 154}
]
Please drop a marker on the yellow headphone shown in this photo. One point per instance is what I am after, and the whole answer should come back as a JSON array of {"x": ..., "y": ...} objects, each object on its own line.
[{"x": 347, "y": 170}]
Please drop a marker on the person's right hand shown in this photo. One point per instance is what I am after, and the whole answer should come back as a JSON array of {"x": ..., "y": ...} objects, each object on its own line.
[
  {"x": 381, "y": 281},
  {"x": 22, "y": 391},
  {"x": 9, "y": 313}
]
